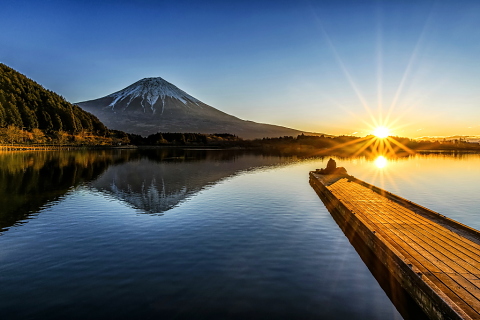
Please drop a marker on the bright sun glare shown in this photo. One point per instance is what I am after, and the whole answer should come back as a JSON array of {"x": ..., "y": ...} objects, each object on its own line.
[
  {"x": 381, "y": 132},
  {"x": 381, "y": 162}
]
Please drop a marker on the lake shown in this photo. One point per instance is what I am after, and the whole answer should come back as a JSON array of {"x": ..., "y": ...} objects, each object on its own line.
[{"x": 192, "y": 234}]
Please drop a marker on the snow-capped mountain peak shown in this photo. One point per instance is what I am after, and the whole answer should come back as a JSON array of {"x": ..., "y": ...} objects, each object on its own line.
[
  {"x": 154, "y": 105},
  {"x": 150, "y": 90}
]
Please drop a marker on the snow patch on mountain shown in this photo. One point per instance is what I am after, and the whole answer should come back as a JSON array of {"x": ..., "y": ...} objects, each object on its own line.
[{"x": 151, "y": 89}]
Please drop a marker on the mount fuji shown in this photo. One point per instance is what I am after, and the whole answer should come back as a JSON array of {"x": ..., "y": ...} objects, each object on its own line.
[{"x": 154, "y": 105}]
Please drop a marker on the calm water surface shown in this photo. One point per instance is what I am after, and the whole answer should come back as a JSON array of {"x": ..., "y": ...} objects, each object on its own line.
[{"x": 198, "y": 234}]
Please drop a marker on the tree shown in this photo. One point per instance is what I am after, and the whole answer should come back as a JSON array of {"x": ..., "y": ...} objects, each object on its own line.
[
  {"x": 38, "y": 136},
  {"x": 62, "y": 137},
  {"x": 161, "y": 140},
  {"x": 14, "y": 134}
]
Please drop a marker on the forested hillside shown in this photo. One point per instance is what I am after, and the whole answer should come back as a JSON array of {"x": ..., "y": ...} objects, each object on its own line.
[{"x": 29, "y": 113}]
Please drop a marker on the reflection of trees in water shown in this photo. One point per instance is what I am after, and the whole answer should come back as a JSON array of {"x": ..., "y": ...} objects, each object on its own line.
[
  {"x": 30, "y": 181},
  {"x": 458, "y": 155},
  {"x": 157, "y": 179}
]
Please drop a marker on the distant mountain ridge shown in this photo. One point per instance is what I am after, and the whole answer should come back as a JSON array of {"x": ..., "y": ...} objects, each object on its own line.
[{"x": 154, "y": 105}]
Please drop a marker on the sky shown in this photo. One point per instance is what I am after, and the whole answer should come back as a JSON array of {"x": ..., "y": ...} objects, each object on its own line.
[{"x": 336, "y": 67}]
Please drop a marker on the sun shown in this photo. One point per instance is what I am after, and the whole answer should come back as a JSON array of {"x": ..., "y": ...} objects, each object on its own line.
[{"x": 381, "y": 132}]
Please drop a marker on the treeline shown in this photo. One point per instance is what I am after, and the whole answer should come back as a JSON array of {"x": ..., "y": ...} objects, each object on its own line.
[
  {"x": 29, "y": 107},
  {"x": 12, "y": 135},
  {"x": 183, "y": 139},
  {"x": 350, "y": 145},
  {"x": 32, "y": 115}
]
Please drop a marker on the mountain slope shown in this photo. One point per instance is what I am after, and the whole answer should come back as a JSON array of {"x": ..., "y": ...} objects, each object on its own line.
[
  {"x": 154, "y": 105},
  {"x": 26, "y": 104}
]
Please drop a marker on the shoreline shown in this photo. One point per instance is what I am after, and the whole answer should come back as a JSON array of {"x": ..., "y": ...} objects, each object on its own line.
[{"x": 18, "y": 147}]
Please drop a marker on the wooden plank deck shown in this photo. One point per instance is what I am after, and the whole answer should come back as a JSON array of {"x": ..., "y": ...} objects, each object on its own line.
[{"x": 436, "y": 259}]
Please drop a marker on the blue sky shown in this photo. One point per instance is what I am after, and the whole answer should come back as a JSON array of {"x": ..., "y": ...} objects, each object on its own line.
[{"x": 325, "y": 66}]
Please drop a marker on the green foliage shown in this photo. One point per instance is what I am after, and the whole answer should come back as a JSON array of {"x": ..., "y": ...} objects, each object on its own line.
[{"x": 27, "y": 105}]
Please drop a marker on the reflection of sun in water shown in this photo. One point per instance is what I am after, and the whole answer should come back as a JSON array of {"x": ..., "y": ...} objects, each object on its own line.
[
  {"x": 381, "y": 132},
  {"x": 381, "y": 162}
]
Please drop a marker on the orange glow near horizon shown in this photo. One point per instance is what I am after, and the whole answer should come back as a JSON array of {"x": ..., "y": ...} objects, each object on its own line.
[{"x": 382, "y": 147}]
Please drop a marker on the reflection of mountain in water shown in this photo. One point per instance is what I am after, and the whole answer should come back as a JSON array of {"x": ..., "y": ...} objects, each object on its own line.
[
  {"x": 151, "y": 180},
  {"x": 157, "y": 182},
  {"x": 30, "y": 181}
]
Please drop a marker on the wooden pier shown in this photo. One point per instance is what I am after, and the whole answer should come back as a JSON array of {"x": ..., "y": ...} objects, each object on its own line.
[{"x": 436, "y": 260}]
